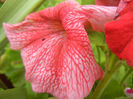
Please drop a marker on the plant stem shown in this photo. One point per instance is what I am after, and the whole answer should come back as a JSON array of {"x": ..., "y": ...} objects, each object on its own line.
[
  {"x": 107, "y": 61},
  {"x": 126, "y": 76},
  {"x": 104, "y": 82},
  {"x": 98, "y": 51},
  {"x": 110, "y": 71},
  {"x": 112, "y": 62}
]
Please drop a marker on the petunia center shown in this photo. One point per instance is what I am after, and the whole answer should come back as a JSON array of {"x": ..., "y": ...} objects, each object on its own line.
[{"x": 56, "y": 27}]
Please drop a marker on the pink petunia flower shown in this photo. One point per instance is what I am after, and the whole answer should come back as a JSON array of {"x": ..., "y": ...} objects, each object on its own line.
[
  {"x": 119, "y": 34},
  {"x": 56, "y": 50}
]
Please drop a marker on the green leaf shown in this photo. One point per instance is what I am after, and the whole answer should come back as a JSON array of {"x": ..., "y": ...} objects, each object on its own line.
[
  {"x": 79, "y": 1},
  {"x": 113, "y": 90},
  {"x": 33, "y": 95},
  {"x": 49, "y": 3},
  {"x": 11, "y": 65},
  {"x": 86, "y": 2},
  {"x": 51, "y": 98},
  {"x": 123, "y": 98},
  {"x": 1, "y": 4},
  {"x": 99, "y": 55},
  {"x": 15, "y": 93},
  {"x": 129, "y": 81},
  {"x": 42, "y": 96},
  {"x": 97, "y": 38},
  {"x": 120, "y": 74},
  {"x": 14, "y": 11},
  {"x": 1, "y": 89},
  {"x": 2, "y": 45}
]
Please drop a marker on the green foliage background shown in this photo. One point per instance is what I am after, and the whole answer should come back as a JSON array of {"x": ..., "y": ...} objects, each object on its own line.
[{"x": 12, "y": 66}]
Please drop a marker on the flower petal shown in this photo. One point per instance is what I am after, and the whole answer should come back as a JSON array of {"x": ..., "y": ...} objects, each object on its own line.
[
  {"x": 26, "y": 32},
  {"x": 119, "y": 33},
  {"x": 41, "y": 63},
  {"x": 60, "y": 67},
  {"x": 37, "y": 25},
  {"x": 59, "y": 59},
  {"x": 74, "y": 25},
  {"x": 119, "y": 36},
  {"x": 125, "y": 6},
  {"x": 73, "y": 72},
  {"x": 122, "y": 5},
  {"x": 81, "y": 70},
  {"x": 97, "y": 16},
  {"x": 107, "y": 2},
  {"x": 60, "y": 11}
]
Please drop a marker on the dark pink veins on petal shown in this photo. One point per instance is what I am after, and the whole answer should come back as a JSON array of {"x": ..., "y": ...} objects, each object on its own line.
[{"x": 56, "y": 50}]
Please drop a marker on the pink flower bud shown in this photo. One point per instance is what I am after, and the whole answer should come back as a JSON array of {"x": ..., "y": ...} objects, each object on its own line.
[{"x": 129, "y": 92}]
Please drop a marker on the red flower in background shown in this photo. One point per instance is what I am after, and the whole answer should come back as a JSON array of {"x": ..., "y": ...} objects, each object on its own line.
[
  {"x": 107, "y": 2},
  {"x": 56, "y": 50},
  {"x": 119, "y": 34}
]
